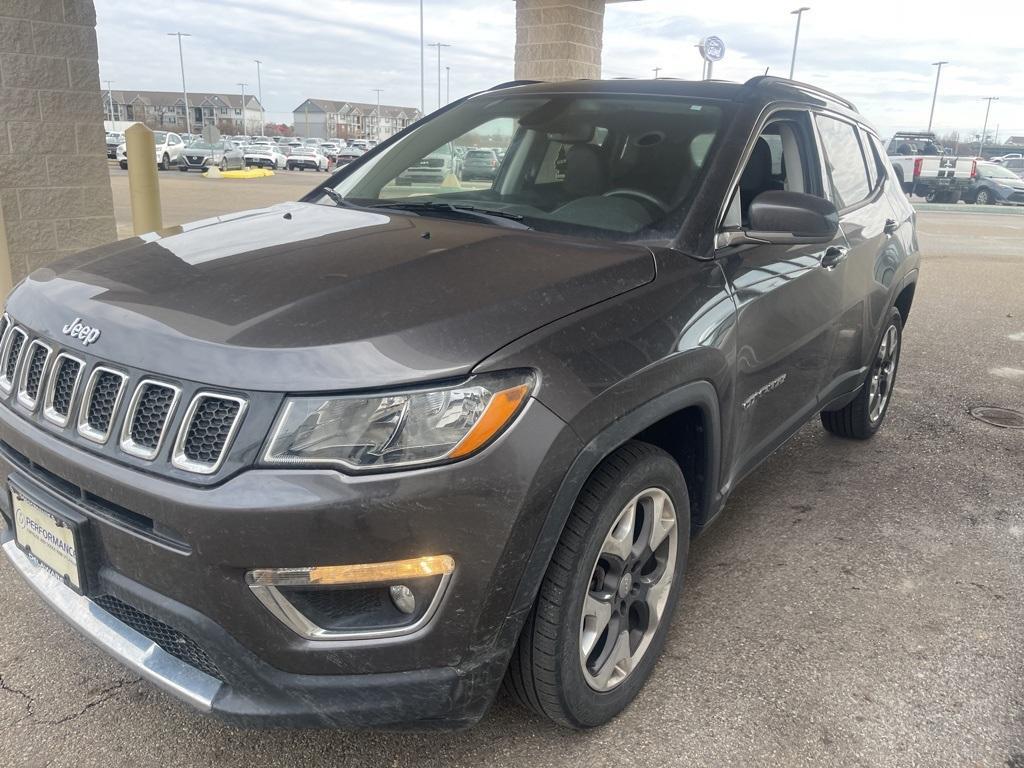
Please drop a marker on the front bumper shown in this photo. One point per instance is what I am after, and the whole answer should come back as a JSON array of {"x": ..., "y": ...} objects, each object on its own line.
[{"x": 485, "y": 512}]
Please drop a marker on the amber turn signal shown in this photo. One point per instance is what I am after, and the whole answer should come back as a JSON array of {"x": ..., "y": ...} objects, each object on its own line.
[{"x": 502, "y": 407}]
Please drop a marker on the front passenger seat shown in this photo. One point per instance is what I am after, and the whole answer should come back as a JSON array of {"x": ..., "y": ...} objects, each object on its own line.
[{"x": 757, "y": 176}]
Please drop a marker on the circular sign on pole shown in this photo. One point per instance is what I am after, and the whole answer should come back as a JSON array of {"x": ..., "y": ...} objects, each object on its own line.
[{"x": 712, "y": 48}]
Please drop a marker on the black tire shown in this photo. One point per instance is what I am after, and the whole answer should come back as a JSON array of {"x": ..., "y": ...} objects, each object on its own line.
[
  {"x": 183, "y": 168},
  {"x": 855, "y": 419},
  {"x": 223, "y": 165},
  {"x": 984, "y": 197},
  {"x": 954, "y": 197},
  {"x": 545, "y": 673},
  {"x": 164, "y": 163}
]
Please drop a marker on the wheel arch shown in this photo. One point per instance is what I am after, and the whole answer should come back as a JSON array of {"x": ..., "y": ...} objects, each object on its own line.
[
  {"x": 905, "y": 297},
  {"x": 672, "y": 421}
]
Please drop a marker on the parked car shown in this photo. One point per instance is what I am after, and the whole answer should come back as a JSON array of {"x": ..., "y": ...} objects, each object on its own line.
[
  {"x": 357, "y": 460},
  {"x": 303, "y": 158},
  {"x": 169, "y": 148},
  {"x": 362, "y": 144},
  {"x": 1008, "y": 156},
  {"x": 264, "y": 156},
  {"x": 925, "y": 169},
  {"x": 1014, "y": 164},
  {"x": 201, "y": 155},
  {"x": 480, "y": 164},
  {"x": 114, "y": 140},
  {"x": 995, "y": 184},
  {"x": 346, "y": 155},
  {"x": 329, "y": 150},
  {"x": 437, "y": 167}
]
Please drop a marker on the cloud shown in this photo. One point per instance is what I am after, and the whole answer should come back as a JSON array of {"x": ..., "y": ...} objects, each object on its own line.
[{"x": 876, "y": 52}]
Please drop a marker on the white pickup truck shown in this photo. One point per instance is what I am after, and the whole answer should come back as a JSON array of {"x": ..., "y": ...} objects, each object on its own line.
[{"x": 926, "y": 170}]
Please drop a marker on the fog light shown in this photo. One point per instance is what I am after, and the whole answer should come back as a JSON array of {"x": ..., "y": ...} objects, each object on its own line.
[
  {"x": 358, "y": 601},
  {"x": 403, "y": 598}
]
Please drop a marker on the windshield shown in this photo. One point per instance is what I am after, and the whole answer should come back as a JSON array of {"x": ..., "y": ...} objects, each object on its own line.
[
  {"x": 997, "y": 172},
  {"x": 200, "y": 145},
  {"x": 591, "y": 164},
  {"x": 159, "y": 137}
]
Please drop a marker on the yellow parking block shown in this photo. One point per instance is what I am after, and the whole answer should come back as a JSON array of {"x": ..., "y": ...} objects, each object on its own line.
[{"x": 248, "y": 173}]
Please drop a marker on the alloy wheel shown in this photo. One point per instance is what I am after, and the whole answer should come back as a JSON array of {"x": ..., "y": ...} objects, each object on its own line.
[
  {"x": 883, "y": 374},
  {"x": 629, "y": 589}
]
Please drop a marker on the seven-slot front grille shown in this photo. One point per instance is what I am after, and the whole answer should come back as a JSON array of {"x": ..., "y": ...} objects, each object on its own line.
[
  {"x": 102, "y": 397},
  {"x": 90, "y": 400},
  {"x": 13, "y": 347},
  {"x": 32, "y": 378},
  {"x": 67, "y": 372},
  {"x": 209, "y": 428},
  {"x": 147, "y": 418}
]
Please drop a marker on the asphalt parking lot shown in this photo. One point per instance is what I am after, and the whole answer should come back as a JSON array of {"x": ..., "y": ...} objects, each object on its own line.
[{"x": 859, "y": 604}]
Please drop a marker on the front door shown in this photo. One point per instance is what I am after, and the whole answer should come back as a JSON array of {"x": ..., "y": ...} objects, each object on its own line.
[{"x": 786, "y": 299}]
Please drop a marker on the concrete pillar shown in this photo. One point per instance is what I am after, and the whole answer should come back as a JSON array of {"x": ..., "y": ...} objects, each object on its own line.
[
  {"x": 559, "y": 39},
  {"x": 55, "y": 194}
]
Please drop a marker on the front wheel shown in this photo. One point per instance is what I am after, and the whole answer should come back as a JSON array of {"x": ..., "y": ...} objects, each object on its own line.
[
  {"x": 601, "y": 618},
  {"x": 223, "y": 165},
  {"x": 861, "y": 418},
  {"x": 165, "y": 162},
  {"x": 984, "y": 197}
]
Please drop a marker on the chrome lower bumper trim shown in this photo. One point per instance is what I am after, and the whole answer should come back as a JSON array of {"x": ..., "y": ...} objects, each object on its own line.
[{"x": 134, "y": 650}]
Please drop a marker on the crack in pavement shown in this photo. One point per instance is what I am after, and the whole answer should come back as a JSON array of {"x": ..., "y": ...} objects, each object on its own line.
[
  {"x": 29, "y": 701},
  {"x": 108, "y": 693}
]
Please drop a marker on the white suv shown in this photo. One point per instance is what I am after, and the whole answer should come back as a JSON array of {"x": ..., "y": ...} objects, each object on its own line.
[{"x": 169, "y": 148}]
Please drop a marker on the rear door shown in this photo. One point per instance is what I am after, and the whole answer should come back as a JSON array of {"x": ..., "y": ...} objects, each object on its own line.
[{"x": 860, "y": 191}]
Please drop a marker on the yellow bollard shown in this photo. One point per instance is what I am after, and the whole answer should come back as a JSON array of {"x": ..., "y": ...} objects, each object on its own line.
[{"x": 143, "y": 185}]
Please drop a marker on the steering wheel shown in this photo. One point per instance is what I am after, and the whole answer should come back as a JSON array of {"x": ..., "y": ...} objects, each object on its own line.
[{"x": 638, "y": 193}]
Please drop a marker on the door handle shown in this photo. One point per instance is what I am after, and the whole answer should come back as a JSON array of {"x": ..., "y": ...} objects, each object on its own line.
[
  {"x": 891, "y": 225},
  {"x": 833, "y": 256}
]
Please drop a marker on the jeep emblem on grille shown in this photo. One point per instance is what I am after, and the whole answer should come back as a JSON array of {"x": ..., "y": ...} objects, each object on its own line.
[{"x": 86, "y": 334}]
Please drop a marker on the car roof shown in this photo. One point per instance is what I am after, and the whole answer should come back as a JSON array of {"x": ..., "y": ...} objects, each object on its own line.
[{"x": 763, "y": 90}]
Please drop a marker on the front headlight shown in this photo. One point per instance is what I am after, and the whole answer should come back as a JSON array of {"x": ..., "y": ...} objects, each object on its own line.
[{"x": 401, "y": 429}]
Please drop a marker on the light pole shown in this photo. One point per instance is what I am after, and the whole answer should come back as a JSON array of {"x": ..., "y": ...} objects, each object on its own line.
[
  {"x": 981, "y": 143},
  {"x": 184, "y": 90},
  {"x": 935, "y": 95},
  {"x": 423, "y": 67},
  {"x": 378, "y": 90},
  {"x": 110, "y": 98},
  {"x": 448, "y": 85},
  {"x": 439, "y": 46},
  {"x": 799, "y": 12},
  {"x": 245, "y": 127},
  {"x": 656, "y": 71},
  {"x": 259, "y": 85}
]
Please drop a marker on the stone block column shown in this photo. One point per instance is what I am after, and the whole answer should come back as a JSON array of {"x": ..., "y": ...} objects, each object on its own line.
[
  {"x": 55, "y": 193},
  {"x": 559, "y": 39}
]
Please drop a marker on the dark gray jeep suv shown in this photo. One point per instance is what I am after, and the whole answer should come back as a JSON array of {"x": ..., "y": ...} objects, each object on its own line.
[{"x": 357, "y": 460}]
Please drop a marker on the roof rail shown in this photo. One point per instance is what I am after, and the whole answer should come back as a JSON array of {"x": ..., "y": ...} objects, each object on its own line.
[
  {"x": 513, "y": 84},
  {"x": 772, "y": 79}
]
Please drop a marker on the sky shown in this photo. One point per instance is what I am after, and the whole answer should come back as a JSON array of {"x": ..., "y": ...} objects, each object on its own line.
[{"x": 878, "y": 54}]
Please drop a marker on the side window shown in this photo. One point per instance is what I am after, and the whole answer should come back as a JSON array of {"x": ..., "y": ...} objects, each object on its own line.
[
  {"x": 783, "y": 158},
  {"x": 845, "y": 161}
]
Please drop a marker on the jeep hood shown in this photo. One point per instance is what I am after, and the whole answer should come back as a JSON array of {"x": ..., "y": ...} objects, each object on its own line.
[{"x": 313, "y": 297}]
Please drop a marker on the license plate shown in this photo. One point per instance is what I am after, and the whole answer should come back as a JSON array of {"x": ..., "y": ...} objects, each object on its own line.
[{"x": 48, "y": 538}]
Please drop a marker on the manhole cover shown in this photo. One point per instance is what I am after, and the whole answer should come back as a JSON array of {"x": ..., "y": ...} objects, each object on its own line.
[{"x": 999, "y": 417}]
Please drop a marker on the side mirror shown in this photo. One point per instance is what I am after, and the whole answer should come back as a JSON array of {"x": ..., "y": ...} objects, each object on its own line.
[{"x": 792, "y": 218}]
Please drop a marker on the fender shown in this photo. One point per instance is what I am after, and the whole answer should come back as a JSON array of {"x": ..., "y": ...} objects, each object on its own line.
[{"x": 699, "y": 393}]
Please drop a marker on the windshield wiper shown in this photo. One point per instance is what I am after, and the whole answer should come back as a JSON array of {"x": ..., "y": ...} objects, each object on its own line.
[
  {"x": 337, "y": 197},
  {"x": 473, "y": 211}
]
